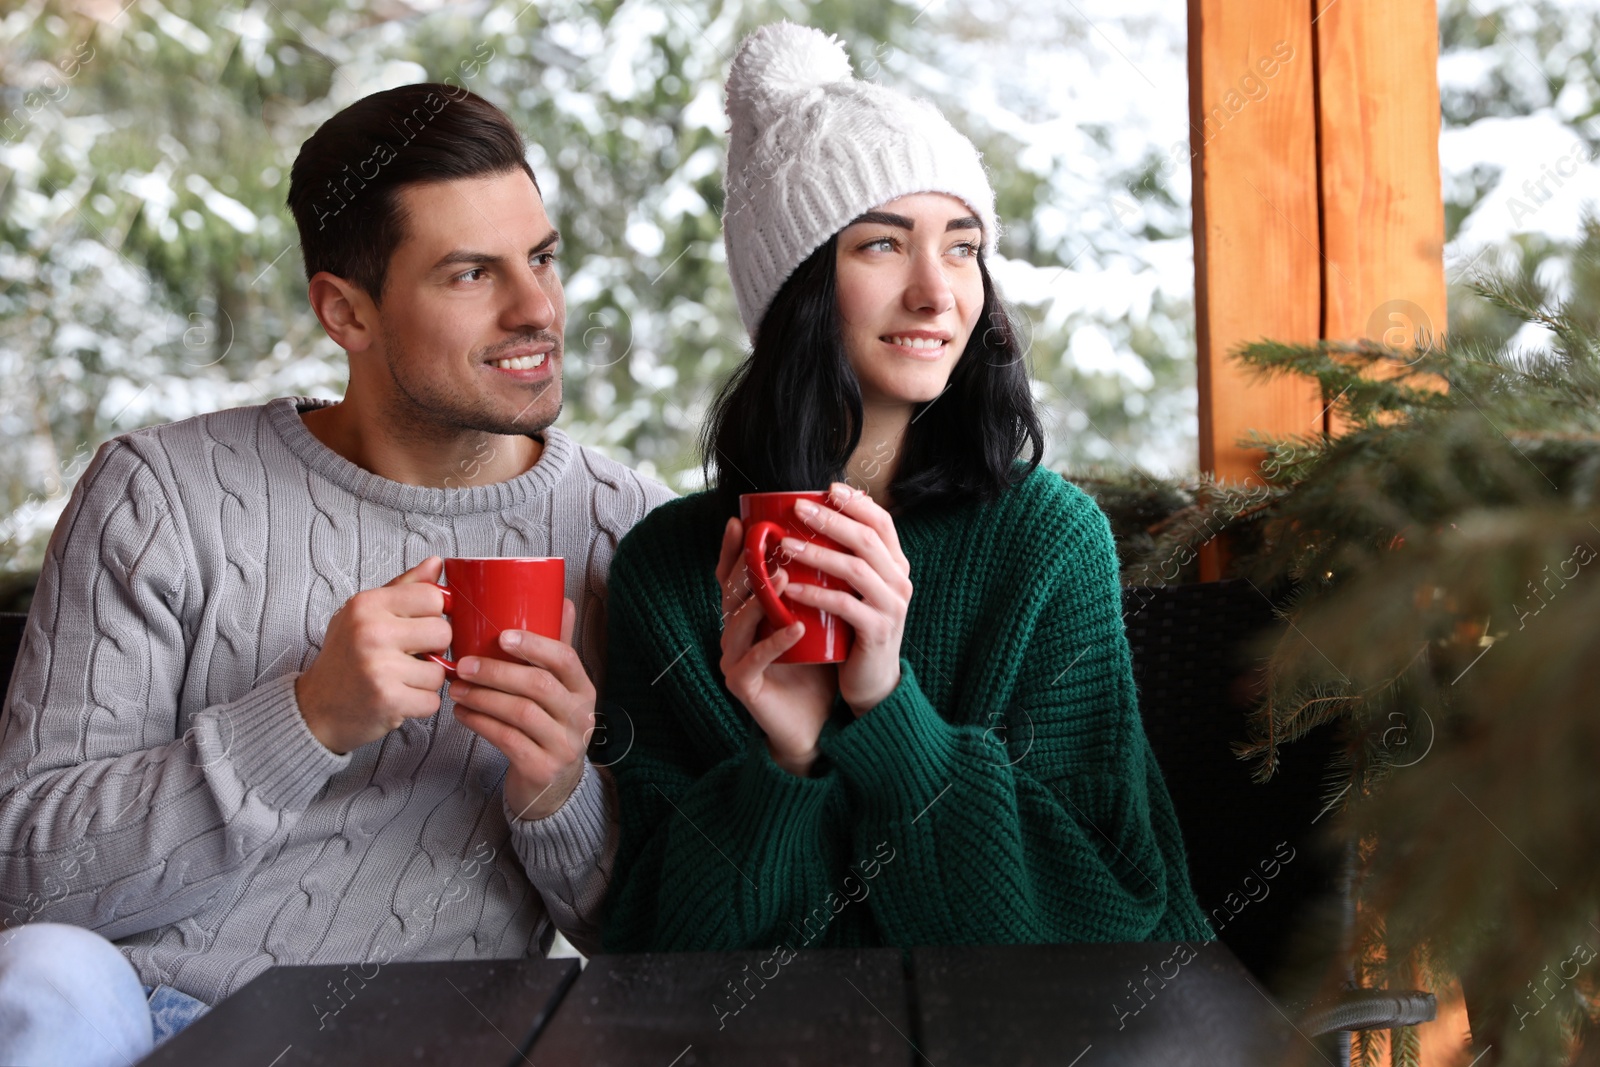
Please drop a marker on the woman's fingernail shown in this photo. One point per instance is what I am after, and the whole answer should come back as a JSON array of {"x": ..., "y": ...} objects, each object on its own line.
[
  {"x": 510, "y": 638},
  {"x": 805, "y": 507},
  {"x": 793, "y": 545},
  {"x": 467, "y": 667}
]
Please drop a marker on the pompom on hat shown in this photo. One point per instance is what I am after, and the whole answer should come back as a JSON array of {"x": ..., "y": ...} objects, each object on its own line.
[{"x": 812, "y": 148}]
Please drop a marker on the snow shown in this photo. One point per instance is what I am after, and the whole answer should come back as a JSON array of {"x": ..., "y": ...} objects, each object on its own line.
[
  {"x": 1085, "y": 96},
  {"x": 1547, "y": 179}
]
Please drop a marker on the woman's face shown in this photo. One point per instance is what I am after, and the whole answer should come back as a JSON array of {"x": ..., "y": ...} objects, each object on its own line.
[{"x": 909, "y": 295}]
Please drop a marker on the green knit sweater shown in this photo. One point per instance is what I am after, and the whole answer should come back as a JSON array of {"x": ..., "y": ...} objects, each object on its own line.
[{"x": 1004, "y": 792}]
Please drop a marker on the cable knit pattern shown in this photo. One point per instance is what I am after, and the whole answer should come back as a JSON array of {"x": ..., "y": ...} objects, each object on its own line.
[
  {"x": 1003, "y": 792},
  {"x": 157, "y": 781},
  {"x": 810, "y": 148}
]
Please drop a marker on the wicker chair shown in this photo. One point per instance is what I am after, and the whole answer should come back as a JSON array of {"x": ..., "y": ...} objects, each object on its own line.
[{"x": 1275, "y": 892}]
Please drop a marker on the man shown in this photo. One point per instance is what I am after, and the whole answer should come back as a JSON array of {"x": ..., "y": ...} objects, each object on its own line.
[{"x": 220, "y": 749}]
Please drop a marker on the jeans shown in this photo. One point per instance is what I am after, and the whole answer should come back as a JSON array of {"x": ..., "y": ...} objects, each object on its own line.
[{"x": 69, "y": 998}]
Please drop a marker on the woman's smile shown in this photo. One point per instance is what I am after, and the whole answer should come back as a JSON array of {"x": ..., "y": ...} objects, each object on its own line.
[{"x": 919, "y": 344}]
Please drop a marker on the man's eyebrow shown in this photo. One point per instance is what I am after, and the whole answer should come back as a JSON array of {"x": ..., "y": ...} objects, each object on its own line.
[
  {"x": 970, "y": 222},
  {"x": 469, "y": 257}
]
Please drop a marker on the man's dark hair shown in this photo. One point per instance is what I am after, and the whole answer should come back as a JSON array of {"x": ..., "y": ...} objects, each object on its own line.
[
  {"x": 790, "y": 417},
  {"x": 344, "y": 188}
]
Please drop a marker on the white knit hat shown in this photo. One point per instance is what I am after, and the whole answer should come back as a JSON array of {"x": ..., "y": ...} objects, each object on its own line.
[{"x": 811, "y": 148}]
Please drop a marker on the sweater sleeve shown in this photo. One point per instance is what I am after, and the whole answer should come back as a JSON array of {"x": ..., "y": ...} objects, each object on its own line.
[
  {"x": 110, "y": 818},
  {"x": 720, "y": 848},
  {"x": 1042, "y": 820},
  {"x": 569, "y": 855}
]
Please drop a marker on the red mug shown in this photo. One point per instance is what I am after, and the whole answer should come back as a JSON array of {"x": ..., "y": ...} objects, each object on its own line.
[
  {"x": 767, "y": 519},
  {"x": 486, "y": 595}
]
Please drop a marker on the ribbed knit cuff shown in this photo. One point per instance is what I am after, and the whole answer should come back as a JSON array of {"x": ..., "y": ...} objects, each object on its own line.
[
  {"x": 766, "y": 795},
  {"x": 898, "y": 755},
  {"x": 265, "y": 739},
  {"x": 572, "y": 835}
]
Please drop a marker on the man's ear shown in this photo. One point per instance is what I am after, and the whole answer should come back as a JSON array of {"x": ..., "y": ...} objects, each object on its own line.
[{"x": 345, "y": 311}]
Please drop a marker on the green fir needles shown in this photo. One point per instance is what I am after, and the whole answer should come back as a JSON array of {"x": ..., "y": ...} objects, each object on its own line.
[{"x": 1440, "y": 554}]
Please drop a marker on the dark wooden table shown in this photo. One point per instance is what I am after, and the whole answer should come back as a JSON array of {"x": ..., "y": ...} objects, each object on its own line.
[
  {"x": 1162, "y": 1005},
  {"x": 832, "y": 1007},
  {"x": 460, "y": 1012},
  {"x": 1066, "y": 1005}
]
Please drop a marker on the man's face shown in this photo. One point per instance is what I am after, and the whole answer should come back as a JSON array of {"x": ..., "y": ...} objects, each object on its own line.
[{"x": 472, "y": 316}]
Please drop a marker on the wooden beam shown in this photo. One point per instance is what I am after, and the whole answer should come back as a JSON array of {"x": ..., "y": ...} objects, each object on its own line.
[
  {"x": 1382, "y": 213},
  {"x": 1383, "y": 229},
  {"x": 1317, "y": 214},
  {"x": 1258, "y": 272},
  {"x": 1314, "y": 126}
]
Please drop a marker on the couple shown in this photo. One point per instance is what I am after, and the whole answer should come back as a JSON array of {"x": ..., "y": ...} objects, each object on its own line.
[{"x": 221, "y": 752}]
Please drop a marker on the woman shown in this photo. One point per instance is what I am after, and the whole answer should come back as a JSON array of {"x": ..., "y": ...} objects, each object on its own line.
[{"x": 974, "y": 770}]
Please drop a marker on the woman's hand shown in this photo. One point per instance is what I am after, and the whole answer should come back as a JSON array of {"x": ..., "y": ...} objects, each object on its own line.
[
  {"x": 789, "y": 701},
  {"x": 874, "y": 566}
]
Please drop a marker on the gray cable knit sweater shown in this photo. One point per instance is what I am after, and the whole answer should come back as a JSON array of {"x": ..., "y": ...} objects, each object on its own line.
[{"x": 157, "y": 782}]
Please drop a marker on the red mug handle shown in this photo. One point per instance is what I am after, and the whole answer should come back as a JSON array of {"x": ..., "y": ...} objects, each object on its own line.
[
  {"x": 756, "y": 539},
  {"x": 449, "y": 667}
]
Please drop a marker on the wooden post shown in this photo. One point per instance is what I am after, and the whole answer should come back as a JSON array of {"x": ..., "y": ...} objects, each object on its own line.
[
  {"x": 1257, "y": 257},
  {"x": 1314, "y": 129},
  {"x": 1383, "y": 228},
  {"x": 1317, "y": 214},
  {"x": 1382, "y": 216}
]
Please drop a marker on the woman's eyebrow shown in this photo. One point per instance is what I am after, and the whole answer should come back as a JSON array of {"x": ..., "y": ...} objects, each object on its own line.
[{"x": 885, "y": 218}]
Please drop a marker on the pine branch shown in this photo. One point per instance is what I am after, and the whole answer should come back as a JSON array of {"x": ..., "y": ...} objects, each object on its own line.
[
  {"x": 1439, "y": 553},
  {"x": 1437, "y": 569},
  {"x": 1364, "y": 1049},
  {"x": 1405, "y": 1047}
]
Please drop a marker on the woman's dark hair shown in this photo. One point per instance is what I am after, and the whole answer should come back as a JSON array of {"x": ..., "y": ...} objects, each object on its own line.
[
  {"x": 345, "y": 184},
  {"x": 790, "y": 416}
]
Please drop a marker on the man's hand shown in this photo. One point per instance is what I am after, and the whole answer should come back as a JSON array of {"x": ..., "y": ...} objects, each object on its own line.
[
  {"x": 540, "y": 713},
  {"x": 367, "y": 680}
]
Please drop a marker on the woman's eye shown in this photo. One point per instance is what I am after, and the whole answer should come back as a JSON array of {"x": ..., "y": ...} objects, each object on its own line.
[
  {"x": 880, "y": 244},
  {"x": 965, "y": 249}
]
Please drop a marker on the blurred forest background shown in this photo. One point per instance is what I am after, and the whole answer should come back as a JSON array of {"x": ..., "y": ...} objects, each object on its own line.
[{"x": 149, "y": 269}]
